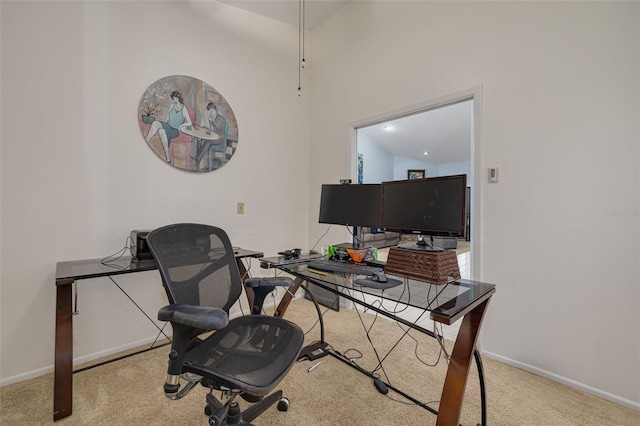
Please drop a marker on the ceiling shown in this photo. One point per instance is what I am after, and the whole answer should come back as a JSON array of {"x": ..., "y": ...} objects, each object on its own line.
[
  {"x": 445, "y": 133},
  {"x": 287, "y": 11}
]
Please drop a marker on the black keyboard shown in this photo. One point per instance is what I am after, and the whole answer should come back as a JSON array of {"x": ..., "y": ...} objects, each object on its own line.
[
  {"x": 271, "y": 262},
  {"x": 343, "y": 267},
  {"x": 301, "y": 259}
]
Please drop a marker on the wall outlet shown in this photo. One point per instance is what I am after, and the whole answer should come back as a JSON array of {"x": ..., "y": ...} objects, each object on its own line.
[
  {"x": 493, "y": 174},
  {"x": 240, "y": 208}
]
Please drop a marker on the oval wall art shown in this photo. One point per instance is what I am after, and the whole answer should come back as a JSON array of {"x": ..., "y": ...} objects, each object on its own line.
[{"x": 188, "y": 124}]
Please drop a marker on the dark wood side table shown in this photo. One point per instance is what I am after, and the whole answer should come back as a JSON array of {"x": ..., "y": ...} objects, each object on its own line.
[{"x": 67, "y": 273}]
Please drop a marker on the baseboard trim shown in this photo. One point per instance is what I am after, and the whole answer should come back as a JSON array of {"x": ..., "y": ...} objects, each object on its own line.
[
  {"x": 634, "y": 405},
  {"x": 26, "y": 376},
  {"x": 76, "y": 362},
  {"x": 268, "y": 305}
]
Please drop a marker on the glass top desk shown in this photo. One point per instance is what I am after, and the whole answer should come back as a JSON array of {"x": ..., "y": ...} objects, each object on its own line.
[
  {"x": 448, "y": 303},
  {"x": 67, "y": 273}
]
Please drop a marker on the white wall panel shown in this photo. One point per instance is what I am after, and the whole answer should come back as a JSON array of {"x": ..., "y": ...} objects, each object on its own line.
[
  {"x": 77, "y": 175},
  {"x": 560, "y": 118}
]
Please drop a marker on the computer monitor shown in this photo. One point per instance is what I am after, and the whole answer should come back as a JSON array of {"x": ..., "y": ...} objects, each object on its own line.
[
  {"x": 351, "y": 204},
  {"x": 431, "y": 206}
]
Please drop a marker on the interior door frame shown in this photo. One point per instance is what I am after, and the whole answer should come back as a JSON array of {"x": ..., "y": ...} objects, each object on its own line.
[{"x": 475, "y": 95}]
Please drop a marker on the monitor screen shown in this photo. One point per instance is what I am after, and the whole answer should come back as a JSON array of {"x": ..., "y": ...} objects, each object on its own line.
[
  {"x": 353, "y": 205},
  {"x": 431, "y": 206}
]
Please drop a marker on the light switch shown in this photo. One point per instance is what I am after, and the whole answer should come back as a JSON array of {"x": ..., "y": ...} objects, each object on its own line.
[{"x": 240, "y": 208}]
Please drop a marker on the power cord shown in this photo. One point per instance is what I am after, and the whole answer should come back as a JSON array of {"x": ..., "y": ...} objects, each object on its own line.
[
  {"x": 355, "y": 237},
  {"x": 322, "y": 314},
  {"x": 406, "y": 332},
  {"x": 128, "y": 243},
  {"x": 319, "y": 239}
]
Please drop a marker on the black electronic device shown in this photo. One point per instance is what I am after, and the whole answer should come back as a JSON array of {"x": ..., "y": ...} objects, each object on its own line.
[
  {"x": 431, "y": 206},
  {"x": 138, "y": 247},
  {"x": 351, "y": 205},
  {"x": 340, "y": 256},
  {"x": 290, "y": 254},
  {"x": 375, "y": 262},
  {"x": 379, "y": 277},
  {"x": 314, "y": 351},
  {"x": 381, "y": 386},
  {"x": 342, "y": 267},
  {"x": 389, "y": 283}
]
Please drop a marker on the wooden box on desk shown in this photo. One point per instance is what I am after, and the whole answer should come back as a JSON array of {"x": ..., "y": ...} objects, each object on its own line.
[{"x": 431, "y": 267}]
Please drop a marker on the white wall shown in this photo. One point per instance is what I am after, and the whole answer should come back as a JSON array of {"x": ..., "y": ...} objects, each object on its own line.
[
  {"x": 377, "y": 161},
  {"x": 401, "y": 165},
  {"x": 457, "y": 168},
  {"x": 77, "y": 175},
  {"x": 560, "y": 118},
  {"x": 380, "y": 165}
]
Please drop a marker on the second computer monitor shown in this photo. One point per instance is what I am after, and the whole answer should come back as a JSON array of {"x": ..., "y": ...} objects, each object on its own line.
[{"x": 432, "y": 206}]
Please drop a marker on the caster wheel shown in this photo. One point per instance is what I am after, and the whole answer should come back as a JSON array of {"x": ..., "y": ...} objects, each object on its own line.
[
  {"x": 207, "y": 410},
  {"x": 283, "y": 404}
]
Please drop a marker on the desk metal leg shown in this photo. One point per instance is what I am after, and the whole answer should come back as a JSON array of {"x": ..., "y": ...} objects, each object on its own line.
[
  {"x": 458, "y": 371},
  {"x": 288, "y": 296},
  {"x": 483, "y": 394},
  {"x": 63, "y": 369}
]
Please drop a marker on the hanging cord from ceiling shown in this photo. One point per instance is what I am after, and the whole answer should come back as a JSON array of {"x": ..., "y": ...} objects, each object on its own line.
[{"x": 301, "y": 26}]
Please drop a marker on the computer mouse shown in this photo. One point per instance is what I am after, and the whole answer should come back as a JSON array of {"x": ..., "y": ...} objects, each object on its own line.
[{"x": 379, "y": 277}]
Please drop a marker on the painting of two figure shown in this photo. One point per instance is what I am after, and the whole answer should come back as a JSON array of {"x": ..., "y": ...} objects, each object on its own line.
[{"x": 188, "y": 124}]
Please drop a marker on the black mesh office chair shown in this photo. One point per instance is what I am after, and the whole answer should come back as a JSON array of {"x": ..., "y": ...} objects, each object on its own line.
[{"x": 246, "y": 356}]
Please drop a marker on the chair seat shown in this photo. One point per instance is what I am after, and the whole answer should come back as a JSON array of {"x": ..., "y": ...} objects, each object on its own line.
[{"x": 252, "y": 354}]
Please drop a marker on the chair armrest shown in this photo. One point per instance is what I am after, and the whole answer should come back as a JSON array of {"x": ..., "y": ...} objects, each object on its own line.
[
  {"x": 201, "y": 317},
  {"x": 269, "y": 282}
]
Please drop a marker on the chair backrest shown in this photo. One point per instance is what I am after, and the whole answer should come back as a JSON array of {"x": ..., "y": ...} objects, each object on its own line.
[{"x": 197, "y": 264}]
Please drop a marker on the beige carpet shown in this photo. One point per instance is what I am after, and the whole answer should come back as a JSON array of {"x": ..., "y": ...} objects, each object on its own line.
[{"x": 130, "y": 391}]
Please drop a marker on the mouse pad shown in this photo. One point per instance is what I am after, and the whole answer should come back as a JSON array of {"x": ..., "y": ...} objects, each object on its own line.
[{"x": 375, "y": 284}]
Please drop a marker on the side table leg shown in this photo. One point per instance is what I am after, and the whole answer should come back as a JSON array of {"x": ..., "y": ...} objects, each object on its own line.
[
  {"x": 243, "y": 275},
  {"x": 63, "y": 368},
  {"x": 458, "y": 371}
]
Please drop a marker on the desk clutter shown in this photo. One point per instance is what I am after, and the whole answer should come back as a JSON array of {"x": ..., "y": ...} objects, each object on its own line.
[{"x": 431, "y": 267}]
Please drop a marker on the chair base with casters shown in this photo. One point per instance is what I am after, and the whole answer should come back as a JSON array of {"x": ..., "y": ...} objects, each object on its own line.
[
  {"x": 230, "y": 414},
  {"x": 239, "y": 348},
  {"x": 246, "y": 356},
  {"x": 261, "y": 288}
]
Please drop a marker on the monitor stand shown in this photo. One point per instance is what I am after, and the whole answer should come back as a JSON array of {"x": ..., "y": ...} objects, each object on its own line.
[
  {"x": 355, "y": 246},
  {"x": 421, "y": 245},
  {"x": 356, "y": 243}
]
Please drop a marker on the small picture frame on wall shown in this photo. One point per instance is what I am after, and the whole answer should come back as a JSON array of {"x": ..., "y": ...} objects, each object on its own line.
[{"x": 416, "y": 174}]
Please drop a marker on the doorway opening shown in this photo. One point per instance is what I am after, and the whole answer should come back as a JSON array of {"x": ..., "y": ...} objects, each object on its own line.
[{"x": 438, "y": 137}]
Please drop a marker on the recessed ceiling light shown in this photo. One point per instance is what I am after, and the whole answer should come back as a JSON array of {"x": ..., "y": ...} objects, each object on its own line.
[
  {"x": 426, "y": 153},
  {"x": 388, "y": 127}
]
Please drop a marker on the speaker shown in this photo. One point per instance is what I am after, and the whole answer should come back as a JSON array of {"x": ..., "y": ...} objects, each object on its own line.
[{"x": 138, "y": 247}]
